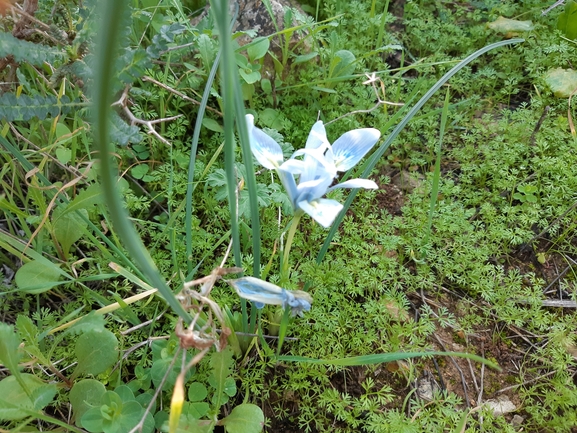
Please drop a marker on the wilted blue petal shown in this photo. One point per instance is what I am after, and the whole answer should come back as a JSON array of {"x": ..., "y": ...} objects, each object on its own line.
[
  {"x": 266, "y": 151},
  {"x": 350, "y": 147},
  {"x": 263, "y": 292},
  {"x": 324, "y": 211},
  {"x": 317, "y": 137},
  {"x": 356, "y": 183}
]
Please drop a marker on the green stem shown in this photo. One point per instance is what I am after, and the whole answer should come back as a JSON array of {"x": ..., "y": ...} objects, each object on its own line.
[{"x": 284, "y": 272}]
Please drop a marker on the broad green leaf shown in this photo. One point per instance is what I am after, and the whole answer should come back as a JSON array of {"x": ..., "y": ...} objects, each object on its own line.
[
  {"x": 230, "y": 386},
  {"x": 567, "y": 21},
  {"x": 563, "y": 82},
  {"x": 96, "y": 350},
  {"x": 63, "y": 154},
  {"x": 244, "y": 418},
  {"x": 196, "y": 410},
  {"x": 508, "y": 26},
  {"x": 139, "y": 171},
  {"x": 212, "y": 125},
  {"x": 37, "y": 276},
  {"x": 15, "y": 402},
  {"x": 342, "y": 64},
  {"x": 86, "y": 199},
  {"x": 258, "y": 48},
  {"x": 83, "y": 395},
  {"x": 125, "y": 393},
  {"x": 271, "y": 118},
  {"x": 305, "y": 57},
  {"x": 249, "y": 76},
  {"x": 197, "y": 391},
  {"x": 189, "y": 424},
  {"x": 68, "y": 227}
]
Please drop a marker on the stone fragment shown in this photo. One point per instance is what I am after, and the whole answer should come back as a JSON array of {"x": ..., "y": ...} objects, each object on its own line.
[{"x": 501, "y": 405}]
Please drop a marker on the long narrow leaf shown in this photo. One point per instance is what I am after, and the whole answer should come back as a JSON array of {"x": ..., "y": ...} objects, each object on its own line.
[
  {"x": 384, "y": 357},
  {"x": 112, "y": 13}
]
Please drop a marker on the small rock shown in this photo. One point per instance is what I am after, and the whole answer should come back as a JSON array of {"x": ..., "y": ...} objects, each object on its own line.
[
  {"x": 517, "y": 421},
  {"x": 427, "y": 387},
  {"x": 501, "y": 405},
  {"x": 407, "y": 182}
]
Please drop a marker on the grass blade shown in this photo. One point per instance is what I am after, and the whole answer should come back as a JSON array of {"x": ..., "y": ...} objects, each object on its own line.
[{"x": 381, "y": 150}]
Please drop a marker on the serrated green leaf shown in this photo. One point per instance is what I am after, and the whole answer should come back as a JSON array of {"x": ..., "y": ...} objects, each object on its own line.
[
  {"x": 37, "y": 276},
  {"x": 123, "y": 133},
  {"x": 43, "y": 395},
  {"x": 14, "y": 401},
  {"x": 9, "y": 342},
  {"x": 27, "y": 330},
  {"x": 23, "y": 51},
  {"x": 96, "y": 350}
]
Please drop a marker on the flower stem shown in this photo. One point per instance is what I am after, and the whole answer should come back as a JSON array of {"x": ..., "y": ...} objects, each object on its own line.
[{"x": 284, "y": 272}]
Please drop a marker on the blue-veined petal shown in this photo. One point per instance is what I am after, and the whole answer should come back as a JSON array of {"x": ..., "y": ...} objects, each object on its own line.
[
  {"x": 352, "y": 146},
  {"x": 356, "y": 183},
  {"x": 263, "y": 292},
  {"x": 324, "y": 211},
  {"x": 317, "y": 137},
  {"x": 314, "y": 189},
  {"x": 266, "y": 151}
]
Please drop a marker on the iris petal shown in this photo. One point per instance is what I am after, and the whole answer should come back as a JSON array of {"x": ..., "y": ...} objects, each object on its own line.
[
  {"x": 356, "y": 183},
  {"x": 314, "y": 189},
  {"x": 262, "y": 292},
  {"x": 266, "y": 151},
  {"x": 317, "y": 137},
  {"x": 350, "y": 147},
  {"x": 324, "y": 211}
]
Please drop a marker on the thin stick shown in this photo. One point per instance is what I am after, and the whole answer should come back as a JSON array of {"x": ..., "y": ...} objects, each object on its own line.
[
  {"x": 179, "y": 94},
  {"x": 551, "y": 373},
  {"x": 463, "y": 382}
]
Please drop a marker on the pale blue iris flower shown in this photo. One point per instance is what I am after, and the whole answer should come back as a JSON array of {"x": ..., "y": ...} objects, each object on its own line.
[
  {"x": 319, "y": 166},
  {"x": 261, "y": 292}
]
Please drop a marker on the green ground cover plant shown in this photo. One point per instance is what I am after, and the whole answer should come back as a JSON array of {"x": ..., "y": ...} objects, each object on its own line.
[{"x": 150, "y": 264}]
